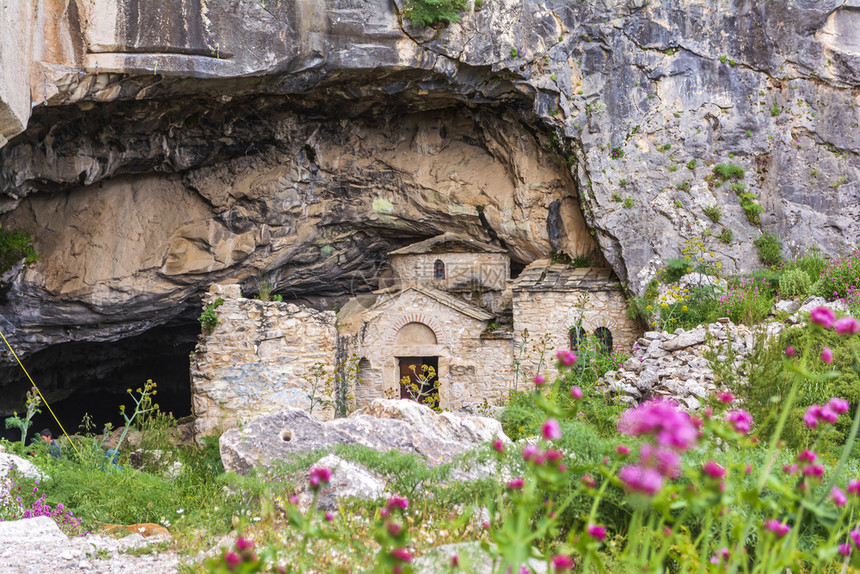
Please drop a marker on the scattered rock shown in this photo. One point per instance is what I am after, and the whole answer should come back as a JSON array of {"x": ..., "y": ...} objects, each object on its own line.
[
  {"x": 786, "y": 306},
  {"x": 23, "y": 466},
  {"x": 385, "y": 425}
]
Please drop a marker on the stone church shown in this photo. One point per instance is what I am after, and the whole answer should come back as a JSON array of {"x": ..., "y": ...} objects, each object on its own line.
[{"x": 452, "y": 307}]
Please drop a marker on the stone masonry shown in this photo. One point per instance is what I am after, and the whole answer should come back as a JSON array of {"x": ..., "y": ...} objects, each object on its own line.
[{"x": 256, "y": 360}]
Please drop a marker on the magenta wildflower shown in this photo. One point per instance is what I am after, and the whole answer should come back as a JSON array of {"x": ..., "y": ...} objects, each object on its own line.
[
  {"x": 847, "y": 326},
  {"x": 827, "y": 414},
  {"x": 576, "y": 392},
  {"x": 726, "y": 397},
  {"x": 551, "y": 430},
  {"x": 539, "y": 380},
  {"x": 638, "y": 479},
  {"x": 319, "y": 475},
  {"x": 839, "y": 405},
  {"x": 713, "y": 469},
  {"x": 596, "y": 532},
  {"x": 562, "y": 562},
  {"x": 663, "y": 460},
  {"x": 394, "y": 528},
  {"x": 622, "y": 450},
  {"x": 789, "y": 468},
  {"x": 807, "y": 456},
  {"x": 397, "y": 502},
  {"x": 822, "y": 316},
  {"x": 455, "y": 561},
  {"x": 402, "y": 554},
  {"x": 498, "y": 445},
  {"x": 516, "y": 484},
  {"x": 566, "y": 357},
  {"x": 329, "y": 516},
  {"x": 530, "y": 451},
  {"x": 670, "y": 426},
  {"x": 845, "y": 549},
  {"x": 244, "y": 544},
  {"x": 720, "y": 555},
  {"x": 855, "y": 536},
  {"x": 588, "y": 480},
  {"x": 789, "y": 351},
  {"x": 777, "y": 527},
  {"x": 854, "y": 486},
  {"x": 838, "y": 496},
  {"x": 741, "y": 420},
  {"x": 232, "y": 559},
  {"x": 815, "y": 470},
  {"x": 826, "y": 355},
  {"x": 810, "y": 417}
]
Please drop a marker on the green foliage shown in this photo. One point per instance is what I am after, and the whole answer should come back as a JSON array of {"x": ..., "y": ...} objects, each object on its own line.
[
  {"x": 685, "y": 185},
  {"x": 769, "y": 249},
  {"x": 209, "y": 317},
  {"x": 775, "y": 110},
  {"x": 423, "y": 13},
  {"x": 34, "y": 401},
  {"x": 751, "y": 208},
  {"x": 616, "y": 153},
  {"x": 616, "y": 197},
  {"x": 714, "y": 212},
  {"x": 729, "y": 171},
  {"x": 628, "y": 203},
  {"x": 726, "y": 235},
  {"x": 794, "y": 283},
  {"x": 691, "y": 164},
  {"x": 15, "y": 246},
  {"x": 747, "y": 301},
  {"x": 675, "y": 269},
  {"x": 841, "y": 274},
  {"x": 265, "y": 286}
]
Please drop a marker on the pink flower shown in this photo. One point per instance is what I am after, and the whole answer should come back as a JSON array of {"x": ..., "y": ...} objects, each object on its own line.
[
  {"x": 720, "y": 555},
  {"x": 670, "y": 426},
  {"x": 807, "y": 456},
  {"x": 516, "y": 484},
  {"x": 789, "y": 468},
  {"x": 810, "y": 417},
  {"x": 565, "y": 357},
  {"x": 244, "y": 544},
  {"x": 777, "y": 527},
  {"x": 822, "y": 316},
  {"x": 402, "y": 554},
  {"x": 553, "y": 455},
  {"x": 394, "y": 528},
  {"x": 741, "y": 420},
  {"x": 748, "y": 468},
  {"x": 588, "y": 480},
  {"x": 839, "y": 405},
  {"x": 622, "y": 450},
  {"x": 551, "y": 430},
  {"x": 815, "y": 470},
  {"x": 539, "y": 380},
  {"x": 826, "y": 355},
  {"x": 713, "y": 469},
  {"x": 854, "y": 486},
  {"x": 329, "y": 516},
  {"x": 562, "y": 562},
  {"x": 397, "y": 502},
  {"x": 498, "y": 445},
  {"x": 845, "y": 549},
  {"x": 232, "y": 559},
  {"x": 596, "y": 532},
  {"x": 827, "y": 414},
  {"x": 530, "y": 451},
  {"x": 576, "y": 393},
  {"x": 664, "y": 460},
  {"x": 855, "y": 536},
  {"x": 789, "y": 351},
  {"x": 455, "y": 561},
  {"x": 726, "y": 397},
  {"x": 639, "y": 479},
  {"x": 847, "y": 326},
  {"x": 838, "y": 496},
  {"x": 319, "y": 475}
]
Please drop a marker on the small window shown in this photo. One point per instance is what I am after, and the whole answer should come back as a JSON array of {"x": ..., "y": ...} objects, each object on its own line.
[
  {"x": 577, "y": 333},
  {"x": 604, "y": 340},
  {"x": 438, "y": 270}
]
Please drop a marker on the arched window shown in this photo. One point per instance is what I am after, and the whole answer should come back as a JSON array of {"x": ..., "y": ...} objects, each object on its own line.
[
  {"x": 577, "y": 334},
  {"x": 604, "y": 339},
  {"x": 438, "y": 270}
]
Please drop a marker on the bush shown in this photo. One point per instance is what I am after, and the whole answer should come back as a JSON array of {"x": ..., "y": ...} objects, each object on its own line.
[
  {"x": 729, "y": 171},
  {"x": 15, "y": 246},
  {"x": 714, "y": 212},
  {"x": 839, "y": 275},
  {"x": 675, "y": 269},
  {"x": 209, "y": 317},
  {"x": 432, "y": 12},
  {"x": 769, "y": 249},
  {"x": 794, "y": 283},
  {"x": 748, "y": 301}
]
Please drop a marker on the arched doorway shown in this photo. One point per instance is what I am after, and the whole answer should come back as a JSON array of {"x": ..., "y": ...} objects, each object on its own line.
[{"x": 418, "y": 374}]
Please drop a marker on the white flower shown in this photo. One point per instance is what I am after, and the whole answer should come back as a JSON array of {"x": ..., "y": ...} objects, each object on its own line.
[{"x": 180, "y": 511}]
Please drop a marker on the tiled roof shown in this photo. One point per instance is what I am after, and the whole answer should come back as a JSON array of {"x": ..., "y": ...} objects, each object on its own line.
[
  {"x": 460, "y": 243},
  {"x": 545, "y": 276}
]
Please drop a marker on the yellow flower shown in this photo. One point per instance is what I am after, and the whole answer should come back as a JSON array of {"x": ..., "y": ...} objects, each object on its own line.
[
  {"x": 684, "y": 308},
  {"x": 648, "y": 308},
  {"x": 719, "y": 264}
]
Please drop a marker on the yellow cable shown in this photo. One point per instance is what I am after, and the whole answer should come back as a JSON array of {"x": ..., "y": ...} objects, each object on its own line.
[{"x": 40, "y": 393}]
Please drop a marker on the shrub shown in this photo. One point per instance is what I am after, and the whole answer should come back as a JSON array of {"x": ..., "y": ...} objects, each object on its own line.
[
  {"x": 748, "y": 301},
  {"x": 432, "y": 12},
  {"x": 794, "y": 283},
  {"x": 628, "y": 203},
  {"x": 769, "y": 249},
  {"x": 675, "y": 269},
  {"x": 685, "y": 185},
  {"x": 726, "y": 235},
  {"x": 752, "y": 210},
  {"x": 714, "y": 212},
  {"x": 209, "y": 317},
  {"x": 728, "y": 171},
  {"x": 842, "y": 273},
  {"x": 15, "y": 246}
]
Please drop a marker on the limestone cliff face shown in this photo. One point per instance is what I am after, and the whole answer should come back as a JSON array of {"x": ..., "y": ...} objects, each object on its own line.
[{"x": 172, "y": 144}]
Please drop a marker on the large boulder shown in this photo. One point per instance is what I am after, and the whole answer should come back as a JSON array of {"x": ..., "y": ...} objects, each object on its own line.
[
  {"x": 348, "y": 480},
  {"x": 23, "y": 466},
  {"x": 385, "y": 425}
]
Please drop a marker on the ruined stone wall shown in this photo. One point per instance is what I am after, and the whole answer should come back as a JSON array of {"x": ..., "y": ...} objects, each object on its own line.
[
  {"x": 463, "y": 271},
  {"x": 471, "y": 369},
  {"x": 255, "y": 361},
  {"x": 552, "y": 313}
]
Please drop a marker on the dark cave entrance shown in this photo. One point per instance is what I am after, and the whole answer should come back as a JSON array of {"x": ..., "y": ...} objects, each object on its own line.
[{"x": 92, "y": 378}]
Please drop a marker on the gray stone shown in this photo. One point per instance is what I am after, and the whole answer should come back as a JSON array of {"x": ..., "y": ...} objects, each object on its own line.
[
  {"x": 647, "y": 379},
  {"x": 684, "y": 340},
  {"x": 23, "y": 466},
  {"x": 385, "y": 425},
  {"x": 786, "y": 306},
  {"x": 348, "y": 480},
  {"x": 31, "y": 531}
]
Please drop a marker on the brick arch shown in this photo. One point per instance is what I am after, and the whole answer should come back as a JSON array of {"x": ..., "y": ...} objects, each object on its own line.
[{"x": 417, "y": 317}]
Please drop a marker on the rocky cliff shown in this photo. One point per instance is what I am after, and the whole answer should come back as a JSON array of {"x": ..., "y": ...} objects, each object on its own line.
[{"x": 155, "y": 147}]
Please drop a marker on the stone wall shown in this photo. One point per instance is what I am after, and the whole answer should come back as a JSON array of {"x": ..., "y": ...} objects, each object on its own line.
[
  {"x": 550, "y": 314},
  {"x": 256, "y": 360},
  {"x": 471, "y": 368},
  {"x": 463, "y": 271}
]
